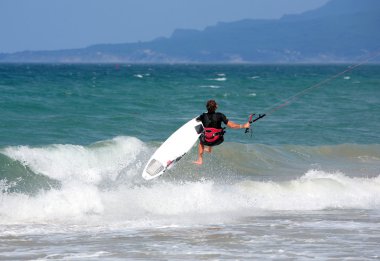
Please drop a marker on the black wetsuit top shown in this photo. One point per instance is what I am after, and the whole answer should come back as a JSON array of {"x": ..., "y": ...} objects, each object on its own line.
[{"x": 212, "y": 120}]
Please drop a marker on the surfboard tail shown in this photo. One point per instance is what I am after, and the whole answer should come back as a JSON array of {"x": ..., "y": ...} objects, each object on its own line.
[{"x": 153, "y": 169}]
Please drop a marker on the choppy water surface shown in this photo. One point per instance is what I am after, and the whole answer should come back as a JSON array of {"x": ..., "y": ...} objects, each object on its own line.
[{"x": 75, "y": 138}]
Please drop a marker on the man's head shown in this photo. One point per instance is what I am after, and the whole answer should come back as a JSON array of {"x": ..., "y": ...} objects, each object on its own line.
[{"x": 211, "y": 106}]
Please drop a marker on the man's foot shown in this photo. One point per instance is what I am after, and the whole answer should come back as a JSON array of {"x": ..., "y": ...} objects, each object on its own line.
[{"x": 198, "y": 162}]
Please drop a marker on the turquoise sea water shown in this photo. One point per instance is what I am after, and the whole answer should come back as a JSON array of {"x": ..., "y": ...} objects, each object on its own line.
[
  {"x": 75, "y": 138},
  {"x": 81, "y": 104}
]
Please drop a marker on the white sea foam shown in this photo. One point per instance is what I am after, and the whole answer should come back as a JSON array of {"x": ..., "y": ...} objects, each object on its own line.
[
  {"x": 219, "y": 79},
  {"x": 90, "y": 164},
  {"x": 84, "y": 197},
  {"x": 210, "y": 86},
  {"x": 316, "y": 190},
  {"x": 173, "y": 203}
]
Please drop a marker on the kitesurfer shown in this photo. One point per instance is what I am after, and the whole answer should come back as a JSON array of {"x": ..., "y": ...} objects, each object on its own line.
[{"x": 213, "y": 131}]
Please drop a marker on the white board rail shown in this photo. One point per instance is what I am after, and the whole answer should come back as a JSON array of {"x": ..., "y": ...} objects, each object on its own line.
[{"x": 173, "y": 149}]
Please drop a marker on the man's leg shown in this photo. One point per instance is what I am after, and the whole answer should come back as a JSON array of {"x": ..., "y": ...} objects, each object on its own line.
[{"x": 201, "y": 149}]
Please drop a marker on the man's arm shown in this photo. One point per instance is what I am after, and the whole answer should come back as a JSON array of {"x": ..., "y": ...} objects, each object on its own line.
[{"x": 234, "y": 125}]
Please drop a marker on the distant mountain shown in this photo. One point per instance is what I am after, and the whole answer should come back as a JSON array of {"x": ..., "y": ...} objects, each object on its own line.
[{"x": 339, "y": 31}]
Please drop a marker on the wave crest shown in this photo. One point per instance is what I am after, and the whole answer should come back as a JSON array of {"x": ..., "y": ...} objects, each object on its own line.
[
  {"x": 102, "y": 182},
  {"x": 92, "y": 164}
]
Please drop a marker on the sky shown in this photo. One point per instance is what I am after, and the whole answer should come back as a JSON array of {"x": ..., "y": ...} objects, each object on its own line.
[{"x": 66, "y": 24}]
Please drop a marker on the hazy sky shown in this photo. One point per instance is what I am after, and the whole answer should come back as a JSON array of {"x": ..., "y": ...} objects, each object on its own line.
[{"x": 63, "y": 24}]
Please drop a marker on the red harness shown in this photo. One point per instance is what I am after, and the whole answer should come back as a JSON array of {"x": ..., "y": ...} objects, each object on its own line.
[{"x": 212, "y": 134}]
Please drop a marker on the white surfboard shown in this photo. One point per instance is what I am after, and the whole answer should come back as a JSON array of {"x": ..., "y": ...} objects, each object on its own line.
[{"x": 173, "y": 149}]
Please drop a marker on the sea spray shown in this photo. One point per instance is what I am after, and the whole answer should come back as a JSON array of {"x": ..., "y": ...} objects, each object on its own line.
[
  {"x": 93, "y": 164},
  {"x": 316, "y": 190}
]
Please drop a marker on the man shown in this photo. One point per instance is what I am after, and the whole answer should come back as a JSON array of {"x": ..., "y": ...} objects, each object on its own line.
[{"x": 213, "y": 131}]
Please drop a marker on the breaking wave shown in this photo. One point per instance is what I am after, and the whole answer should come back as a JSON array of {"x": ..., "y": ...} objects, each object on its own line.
[{"x": 102, "y": 182}]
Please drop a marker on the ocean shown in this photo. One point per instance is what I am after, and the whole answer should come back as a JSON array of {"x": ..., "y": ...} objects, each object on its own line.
[{"x": 74, "y": 139}]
